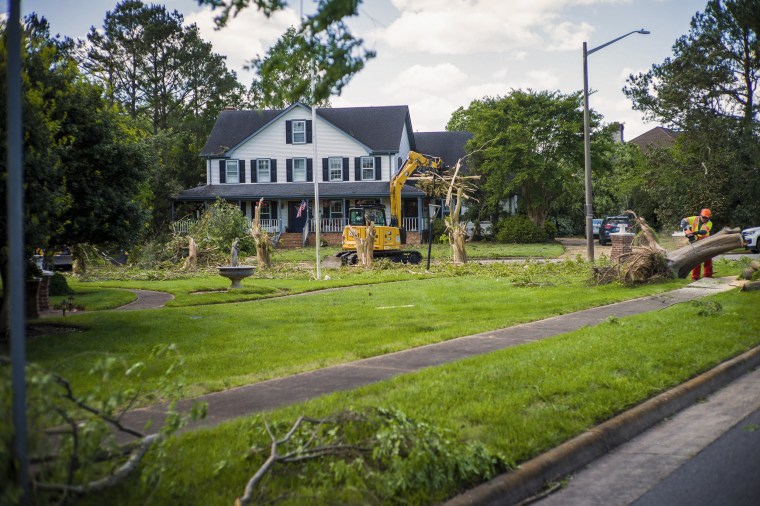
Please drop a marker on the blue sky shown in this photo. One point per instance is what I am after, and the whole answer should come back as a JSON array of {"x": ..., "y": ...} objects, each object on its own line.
[{"x": 438, "y": 55}]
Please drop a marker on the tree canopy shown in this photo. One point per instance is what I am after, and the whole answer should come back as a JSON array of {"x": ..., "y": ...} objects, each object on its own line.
[
  {"x": 83, "y": 170},
  {"x": 708, "y": 90},
  {"x": 528, "y": 143}
]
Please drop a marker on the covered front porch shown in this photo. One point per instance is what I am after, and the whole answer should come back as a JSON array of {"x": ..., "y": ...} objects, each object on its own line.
[{"x": 288, "y": 208}]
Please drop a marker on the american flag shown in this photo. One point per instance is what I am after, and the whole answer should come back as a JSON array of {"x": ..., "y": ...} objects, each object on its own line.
[{"x": 301, "y": 209}]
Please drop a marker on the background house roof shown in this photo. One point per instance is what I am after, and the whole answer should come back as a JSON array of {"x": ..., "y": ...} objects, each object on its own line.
[
  {"x": 294, "y": 191},
  {"x": 378, "y": 128},
  {"x": 658, "y": 137},
  {"x": 448, "y": 145}
]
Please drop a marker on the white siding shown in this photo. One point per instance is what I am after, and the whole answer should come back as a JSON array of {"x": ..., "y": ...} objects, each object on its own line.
[
  {"x": 270, "y": 143},
  {"x": 403, "y": 149}
]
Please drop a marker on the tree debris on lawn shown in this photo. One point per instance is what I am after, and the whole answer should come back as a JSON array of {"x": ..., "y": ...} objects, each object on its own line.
[{"x": 649, "y": 261}]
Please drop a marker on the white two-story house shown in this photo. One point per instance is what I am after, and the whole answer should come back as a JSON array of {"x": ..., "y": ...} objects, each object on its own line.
[{"x": 270, "y": 154}]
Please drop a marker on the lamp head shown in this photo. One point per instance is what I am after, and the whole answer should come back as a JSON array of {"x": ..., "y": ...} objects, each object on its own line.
[{"x": 644, "y": 32}]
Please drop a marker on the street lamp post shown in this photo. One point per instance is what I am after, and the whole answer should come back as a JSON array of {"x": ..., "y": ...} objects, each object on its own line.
[{"x": 589, "y": 207}]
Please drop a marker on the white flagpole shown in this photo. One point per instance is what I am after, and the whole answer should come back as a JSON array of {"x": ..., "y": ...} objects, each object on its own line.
[{"x": 315, "y": 172}]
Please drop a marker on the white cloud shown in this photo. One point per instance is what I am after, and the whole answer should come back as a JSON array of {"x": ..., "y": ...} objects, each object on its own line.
[
  {"x": 424, "y": 79},
  {"x": 465, "y": 26},
  {"x": 245, "y": 36}
]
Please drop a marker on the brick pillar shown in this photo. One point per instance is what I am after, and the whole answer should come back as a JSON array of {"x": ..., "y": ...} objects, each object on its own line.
[
  {"x": 43, "y": 301},
  {"x": 622, "y": 246}
]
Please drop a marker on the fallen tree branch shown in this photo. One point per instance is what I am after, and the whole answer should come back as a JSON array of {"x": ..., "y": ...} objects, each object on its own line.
[{"x": 108, "y": 481}]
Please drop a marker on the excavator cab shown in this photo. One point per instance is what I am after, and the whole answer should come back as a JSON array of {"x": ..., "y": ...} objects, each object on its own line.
[{"x": 363, "y": 216}]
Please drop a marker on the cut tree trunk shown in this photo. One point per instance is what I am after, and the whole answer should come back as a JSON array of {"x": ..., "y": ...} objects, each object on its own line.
[
  {"x": 261, "y": 239},
  {"x": 364, "y": 245},
  {"x": 683, "y": 260}
]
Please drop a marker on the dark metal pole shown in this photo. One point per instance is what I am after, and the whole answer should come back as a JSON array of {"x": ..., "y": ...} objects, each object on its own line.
[
  {"x": 430, "y": 235},
  {"x": 16, "y": 264},
  {"x": 589, "y": 207}
]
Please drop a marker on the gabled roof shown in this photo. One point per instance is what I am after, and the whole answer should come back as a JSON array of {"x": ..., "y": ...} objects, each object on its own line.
[
  {"x": 448, "y": 145},
  {"x": 233, "y": 127},
  {"x": 293, "y": 191},
  {"x": 658, "y": 137},
  {"x": 377, "y": 128}
]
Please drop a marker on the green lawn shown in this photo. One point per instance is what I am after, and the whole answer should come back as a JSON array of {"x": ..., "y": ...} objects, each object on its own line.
[
  {"x": 226, "y": 345},
  {"x": 518, "y": 402}
]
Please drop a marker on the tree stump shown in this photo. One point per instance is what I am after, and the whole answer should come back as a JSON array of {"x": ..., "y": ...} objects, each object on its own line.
[
  {"x": 261, "y": 239},
  {"x": 364, "y": 245}
]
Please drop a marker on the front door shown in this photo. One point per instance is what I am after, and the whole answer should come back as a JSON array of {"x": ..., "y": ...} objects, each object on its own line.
[{"x": 295, "y": 223}]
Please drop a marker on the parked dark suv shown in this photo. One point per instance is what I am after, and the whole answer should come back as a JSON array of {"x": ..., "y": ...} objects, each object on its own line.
[{"x": 610, "y": 225}]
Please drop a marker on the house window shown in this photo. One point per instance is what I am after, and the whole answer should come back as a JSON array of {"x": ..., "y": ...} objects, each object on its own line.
[
  {"x": 263, "y": 172},
  {"x": 265, "y": 211},
  {"x": 368, "y": 168},
  {"x": 336, "y": 169},
  {"x": 336, "y": 209},
  {"x": 299, "y": 169},
  {"x": 299, "y": 132},
  {"x": 232, "y": 175}
]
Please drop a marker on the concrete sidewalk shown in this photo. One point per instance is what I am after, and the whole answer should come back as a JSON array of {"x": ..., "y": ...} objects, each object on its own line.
[{"x": 278, "y": 392}]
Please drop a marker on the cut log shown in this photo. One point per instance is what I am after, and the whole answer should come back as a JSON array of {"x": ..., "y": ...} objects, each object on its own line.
[{"x": 683, "y": 260}]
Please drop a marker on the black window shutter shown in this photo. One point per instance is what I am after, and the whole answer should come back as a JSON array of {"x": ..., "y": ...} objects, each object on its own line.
[
  {"x": 273, "y": 170},
  {"x": 289, "y": 170},
  {"x": 273, "y": 209},
  {"x": 308, "y": 131},
  {"x": 345, "y": 169},
  {"x": 378, "y": 166},
  {"x": 288, "y": 132},
  {"x": 241, "y": 170},
  {"x": 254, "y": 171},
  {"x": 242, "y": 208},
  {"x": 357, "y": 168},
  {"x": 309, "y": 170},
  {"x": 222, "y": 171},
  {"x": 325, "y": 170}
]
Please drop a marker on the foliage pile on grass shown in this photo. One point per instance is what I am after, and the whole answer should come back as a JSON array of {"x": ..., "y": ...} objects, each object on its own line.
[{"x": 374, "y": 456}]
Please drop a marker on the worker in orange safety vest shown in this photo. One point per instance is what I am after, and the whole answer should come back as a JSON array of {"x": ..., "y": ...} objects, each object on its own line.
[{"x": 696, "y": 228}]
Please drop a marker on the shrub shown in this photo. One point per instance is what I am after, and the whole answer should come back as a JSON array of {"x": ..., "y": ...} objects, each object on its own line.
[
  {"x": 551, "y": 230},
  {"x": 219, "y": 226},
  {"x": 519, "y": 230},
  {"x": 58, "y": 285}
]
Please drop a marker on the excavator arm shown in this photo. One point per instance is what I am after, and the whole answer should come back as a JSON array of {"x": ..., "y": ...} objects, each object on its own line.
[{"x": 413, "y": 162}]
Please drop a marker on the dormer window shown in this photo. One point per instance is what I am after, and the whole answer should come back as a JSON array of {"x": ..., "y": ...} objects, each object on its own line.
[{"x": 299, "y": 132}]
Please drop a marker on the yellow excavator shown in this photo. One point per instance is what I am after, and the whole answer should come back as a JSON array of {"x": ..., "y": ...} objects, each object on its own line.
[{"x": 389, "y": 236}]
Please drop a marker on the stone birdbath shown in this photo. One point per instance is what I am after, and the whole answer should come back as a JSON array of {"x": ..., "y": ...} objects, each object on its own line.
[{"x": 235, "y": 272}]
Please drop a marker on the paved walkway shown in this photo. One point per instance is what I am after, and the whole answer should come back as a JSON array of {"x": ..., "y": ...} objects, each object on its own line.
[
  {"x": 278, "y": 392},
  {"x": 146, "y": 299}
]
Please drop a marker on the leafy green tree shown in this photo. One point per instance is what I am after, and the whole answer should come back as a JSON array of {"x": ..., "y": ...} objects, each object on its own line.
[
  {"x": 322, "y": 39},
  {"x": 157, "y": 69},
  {"x": 43, "y": 78},
  {"x": 708, "y": 90},
  {"x": 105, "y": 171},
  {"x": 280, "y": 84},
  {"x": 170, "y": 82},
  {"x": 83, "y": 175},
  {"x": 528, "y": 143}
]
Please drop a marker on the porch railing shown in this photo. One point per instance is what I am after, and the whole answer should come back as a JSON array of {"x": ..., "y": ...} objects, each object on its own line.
[
  {"x": 329, "y": 225},
  {"x": 411, "y": 224}
]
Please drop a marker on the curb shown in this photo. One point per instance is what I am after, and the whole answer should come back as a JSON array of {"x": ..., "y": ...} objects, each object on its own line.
[{"x": 532, "y": 476}]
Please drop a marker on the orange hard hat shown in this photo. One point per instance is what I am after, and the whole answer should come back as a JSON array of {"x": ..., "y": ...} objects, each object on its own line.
[{"x": 705, "y": 213}]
